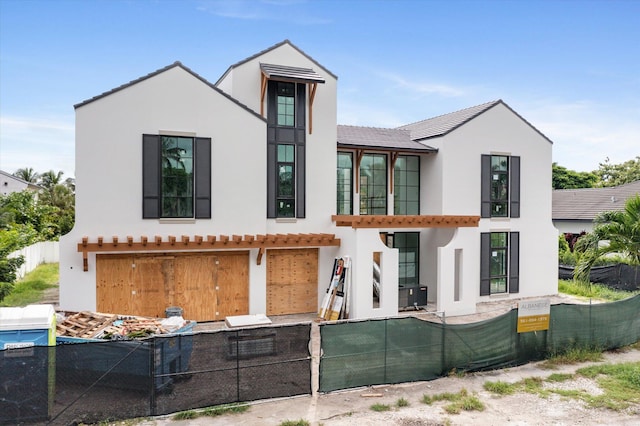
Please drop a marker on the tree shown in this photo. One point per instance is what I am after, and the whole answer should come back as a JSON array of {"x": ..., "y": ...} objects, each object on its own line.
[
  {"x": 50, "y": 179},
  {"x": 27, "y": 174},
  {"x": 564, "y": 178},
  {"x": 618, "y": 174},
  {"x": 614, "y": 232}
]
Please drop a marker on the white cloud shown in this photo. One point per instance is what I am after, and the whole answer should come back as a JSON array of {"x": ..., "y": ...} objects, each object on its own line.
[
  {"x": 265, "y": 10},
  {"x": 40, "y": 143},
  {"x": 423, "y": 88},
  {"x": 585, "y": 133}
]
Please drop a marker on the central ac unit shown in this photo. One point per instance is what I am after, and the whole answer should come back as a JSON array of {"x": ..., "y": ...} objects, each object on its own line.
[{"x": 412, "y": 297}]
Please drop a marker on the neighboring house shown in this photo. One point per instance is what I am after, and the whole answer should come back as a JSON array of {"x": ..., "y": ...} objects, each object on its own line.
[
  {"x": 10, "y": 183},
  {"x": 232, "y": 198},
  {"x": 575, "y": 209}
]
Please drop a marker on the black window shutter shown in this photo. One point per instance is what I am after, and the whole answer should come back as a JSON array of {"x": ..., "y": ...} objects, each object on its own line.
[
  {"x": 514, "y": 262},
  {"x": 300, "y": 181},
  {"x": 514, "y": 193},
  {"x": 485, "y": 186},
  {"x": 151, "y": 153},
  {"x": 202, "y": 202},
  {"x": 485, "y": 263}
]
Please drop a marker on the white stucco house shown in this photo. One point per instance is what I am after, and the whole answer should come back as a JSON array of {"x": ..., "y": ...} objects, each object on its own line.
[
  {"x": 10, "y": 183},
  {"x": 235, "y": 197}
]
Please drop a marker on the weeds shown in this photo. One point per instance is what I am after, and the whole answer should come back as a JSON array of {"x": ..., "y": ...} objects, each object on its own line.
[
  {"x": 380, "y": 407},
  {"x": 459, "y": 402},
  {"x": 300, "y": 422},
  {"x": 402, "y": 403},
  {"x": 573, "y": 355},
  {"x": 500, "y": 388},
  {"x": 218, "y": 410}
]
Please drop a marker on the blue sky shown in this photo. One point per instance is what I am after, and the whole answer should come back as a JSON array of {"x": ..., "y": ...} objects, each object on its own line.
[{"x": 571, "y": 68}]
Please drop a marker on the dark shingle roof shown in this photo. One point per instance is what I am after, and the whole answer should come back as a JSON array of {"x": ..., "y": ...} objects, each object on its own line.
[
  {"x": 379, "y": 138},
  {"x": 160, "y": 71},
  {"x": 587, "y": 203},
  {"x": 443, "y": 124},
  {"x": 287, "y": 73}
]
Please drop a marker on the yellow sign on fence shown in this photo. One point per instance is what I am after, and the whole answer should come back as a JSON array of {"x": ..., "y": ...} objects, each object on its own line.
[{"x": 533, "y": 315}]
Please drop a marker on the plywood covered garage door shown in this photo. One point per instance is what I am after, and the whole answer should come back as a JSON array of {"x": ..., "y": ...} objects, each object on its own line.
[
  {"x": 292, "y": 281},
  {"x": 207, "y": 286}
]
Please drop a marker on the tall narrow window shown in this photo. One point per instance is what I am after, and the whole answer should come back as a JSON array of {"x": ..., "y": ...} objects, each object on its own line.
[
  {"x": 499, "y": 262},
  {"x": 286, "y": 180},
  {"x": 373, "y": 184},
  {"x": 345, "y": 183},
  {"x": 286, "y": 103},
  {"x": 177, "y": 176},
  {"x": 500, "y": 186},
  {"x": 406, "y": 185},
  {"x": 408, "y": 245},
  {"x": 498, "y": 270}
]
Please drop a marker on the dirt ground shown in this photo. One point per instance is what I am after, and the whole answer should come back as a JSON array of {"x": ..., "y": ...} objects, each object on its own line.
[{"x": 352, "y": 407}]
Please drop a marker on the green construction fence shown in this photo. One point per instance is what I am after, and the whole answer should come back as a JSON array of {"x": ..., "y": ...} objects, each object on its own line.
[{"x": 396, "y": 350}]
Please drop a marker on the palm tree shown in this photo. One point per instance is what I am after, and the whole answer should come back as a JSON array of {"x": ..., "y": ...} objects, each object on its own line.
[
  {"x": 614, "y": 232},
  {"x": 27, "y": 174},
  {"x": 50, "y": 179}
]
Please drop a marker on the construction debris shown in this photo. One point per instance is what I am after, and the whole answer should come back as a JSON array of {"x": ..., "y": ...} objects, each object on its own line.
[{"x": 92, "y": 325}]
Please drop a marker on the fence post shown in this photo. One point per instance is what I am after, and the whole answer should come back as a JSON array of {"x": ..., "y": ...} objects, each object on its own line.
[
  {"x": 386, "y": 321},
  {"x": 152, "y": 376},
  {"x": 443, "y": 343}
]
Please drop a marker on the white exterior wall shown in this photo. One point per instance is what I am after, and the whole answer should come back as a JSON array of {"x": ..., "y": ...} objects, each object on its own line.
[
  {"x": 109, "y": 170},
  {"x": 573, "y": 226},
  {"x": 497, "y": 131},
  {"x": 243, "y": 82},
  {"x": 9, "y": 184}
]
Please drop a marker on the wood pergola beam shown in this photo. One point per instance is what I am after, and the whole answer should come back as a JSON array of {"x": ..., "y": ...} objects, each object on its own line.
[
  {"x": 408, "y": 221},
  {"x": 198, "y": 242}
]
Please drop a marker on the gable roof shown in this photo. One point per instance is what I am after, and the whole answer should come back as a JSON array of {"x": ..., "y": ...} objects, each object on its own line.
[
  {"x": 444, "y": 124},
  {"x": 275, "y": 46},
  {"x": 587, "y": 203},
  {"x": 379, "y": 138},
  {"x": 30, "y": 185},
  {"x": 177, "y": 64}
]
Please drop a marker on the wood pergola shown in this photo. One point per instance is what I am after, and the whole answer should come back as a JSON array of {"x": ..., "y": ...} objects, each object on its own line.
[
  {"x": 202, "y": 243},
  {"x": 407, "y": 221}
]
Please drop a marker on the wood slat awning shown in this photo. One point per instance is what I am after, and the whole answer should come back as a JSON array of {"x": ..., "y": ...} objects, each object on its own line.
[
  {"x": 408, "y": 221},
  {"x": 201, "y": 243}
]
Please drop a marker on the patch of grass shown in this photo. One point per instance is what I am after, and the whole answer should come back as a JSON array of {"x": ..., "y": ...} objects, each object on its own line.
[
  {"x": 533, "y": 385},
  {"x": 426, "y": 399},
  {"x": 225, "y": 409},
  {"x": 620, "y": 384},
  {"x": 458, "y": 401},
  {"x": 500, "y": 387},
  {"x": 559, "y": 377},
  {"x": 402, "y": 403},
  {"x": 593, "y": 291},
  {"x": 573, "y": 355},
  {"x": 218, "y": 410},
  {"x": 300, "y": 422},
  {"x": 30, "y": 288},
  {"x": 186, "y": 415},
  {"x": 380, "y": 407}
]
